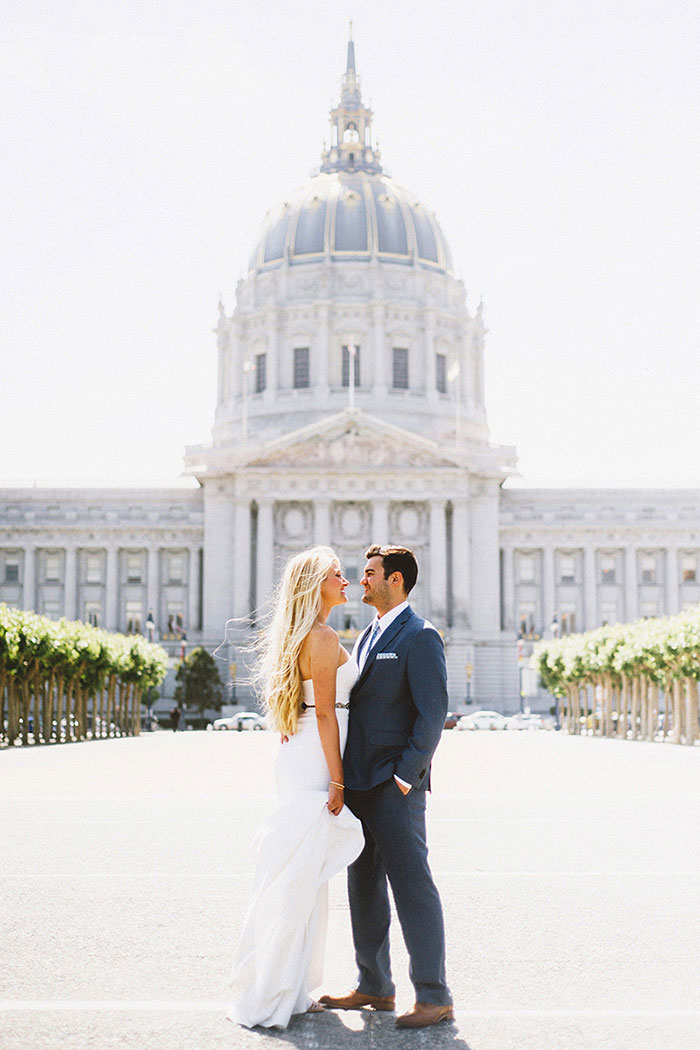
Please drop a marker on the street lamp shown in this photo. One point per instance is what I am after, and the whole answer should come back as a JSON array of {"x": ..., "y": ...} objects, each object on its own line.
[{"x": 554, "y": 628}]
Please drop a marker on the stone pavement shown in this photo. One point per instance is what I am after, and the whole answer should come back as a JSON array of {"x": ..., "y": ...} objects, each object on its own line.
[{"x": 568, "y": 870}]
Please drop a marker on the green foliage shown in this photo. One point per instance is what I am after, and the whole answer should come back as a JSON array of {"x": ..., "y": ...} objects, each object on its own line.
[
  {"x": 660, "y": 649},
  {"x": 31, "y": 644},
  {"x": 200, "y": 685}
]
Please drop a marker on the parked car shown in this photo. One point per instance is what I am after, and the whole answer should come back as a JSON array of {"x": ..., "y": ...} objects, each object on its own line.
[
  {"x": 482, "y": 720},
  {"x": 451, "y": 720},
  {"x": 243, "y": 720},
  {"x": 530, "y": 722}
]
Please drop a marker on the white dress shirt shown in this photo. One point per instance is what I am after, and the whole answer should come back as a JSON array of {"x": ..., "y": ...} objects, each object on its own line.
[{"x": 363, "y": 652}]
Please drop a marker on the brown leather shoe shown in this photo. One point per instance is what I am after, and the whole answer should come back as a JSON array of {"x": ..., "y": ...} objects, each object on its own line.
[
  {"x": 424, "y": 1014},
  {"x": 355, "y": 1000}
]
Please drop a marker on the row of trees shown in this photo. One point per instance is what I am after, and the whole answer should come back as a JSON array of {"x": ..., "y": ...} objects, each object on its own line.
[
  {"x": 60, "y": 680},
  {"x": 636, "y": 680}
]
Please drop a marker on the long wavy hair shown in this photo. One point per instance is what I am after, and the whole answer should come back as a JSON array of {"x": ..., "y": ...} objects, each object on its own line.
[{"x": 295, "y": 608}]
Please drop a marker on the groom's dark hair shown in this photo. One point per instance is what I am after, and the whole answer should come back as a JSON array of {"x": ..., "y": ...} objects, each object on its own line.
[{"x": 396, "y": 559}]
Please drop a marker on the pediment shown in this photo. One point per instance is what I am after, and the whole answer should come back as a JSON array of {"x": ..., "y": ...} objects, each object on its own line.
[{"x": 352, "y": 444}]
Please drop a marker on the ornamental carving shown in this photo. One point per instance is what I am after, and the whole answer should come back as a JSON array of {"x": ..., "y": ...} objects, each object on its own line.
[{"x": 352, "y": 450}]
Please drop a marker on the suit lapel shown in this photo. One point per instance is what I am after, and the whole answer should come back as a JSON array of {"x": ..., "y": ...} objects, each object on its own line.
[{"x": 384, "y": 639}]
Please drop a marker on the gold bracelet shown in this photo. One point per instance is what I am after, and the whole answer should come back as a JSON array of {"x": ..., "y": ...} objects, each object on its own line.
[{"x": 335, "y": 785}]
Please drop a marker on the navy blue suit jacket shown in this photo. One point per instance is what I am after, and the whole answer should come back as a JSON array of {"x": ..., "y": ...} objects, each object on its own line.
[{"x": 397, "y": 707}]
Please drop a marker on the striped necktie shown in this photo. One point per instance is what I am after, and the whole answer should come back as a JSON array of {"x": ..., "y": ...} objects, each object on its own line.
[{"x": 372, "y": 640}]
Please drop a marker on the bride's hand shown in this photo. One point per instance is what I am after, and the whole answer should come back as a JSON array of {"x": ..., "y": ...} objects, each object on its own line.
[{"x": 335, "y": 799}]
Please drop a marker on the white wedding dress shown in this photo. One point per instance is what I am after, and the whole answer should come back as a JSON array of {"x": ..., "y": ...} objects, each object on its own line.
[{"x": 299, "y": 847}]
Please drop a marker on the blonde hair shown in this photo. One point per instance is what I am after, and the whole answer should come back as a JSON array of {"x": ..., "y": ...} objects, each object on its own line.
[{"x": 295, "y": 608}]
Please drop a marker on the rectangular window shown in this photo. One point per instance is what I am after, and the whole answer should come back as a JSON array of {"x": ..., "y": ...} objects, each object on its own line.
[
  {"x": 53, "y": 567},
  {"x": 134, "y": 568},
  {"x": 526, "y": 568},
  {"x": 441, "y": 373},
  {"x": 134, "y": 616},
  {"x": 400, "y": 376},
  {"x": 689, "y": 568},
  {"x": 607, "y": 569},
  {"x": 346, "y": 366},
  {"x": 92, "y": 613},
  {"x": 260, "y": 373},
  {"x": 649, "y": 610},
  {"x": 12, "y": 570},
  {"x": 301, "y": 367},
  {"x": 647, "y": 564},
  {"x": 567, "y": 568},
  {"x": 608, "y": 612},
  {"x": 93, "y": 568},
  {"x": 176, "y": 568},
  {"x": 51, "y": 607}
]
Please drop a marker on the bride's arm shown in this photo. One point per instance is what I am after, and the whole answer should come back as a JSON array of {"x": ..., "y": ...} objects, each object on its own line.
[{"x": 323, "y": 658}]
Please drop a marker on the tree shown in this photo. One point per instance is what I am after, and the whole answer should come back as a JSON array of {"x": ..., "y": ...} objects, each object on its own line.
[{"x": 200, "y": 685}]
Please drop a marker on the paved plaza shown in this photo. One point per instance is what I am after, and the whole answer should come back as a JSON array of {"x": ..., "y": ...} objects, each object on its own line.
[{"x": 568, "y": 869}]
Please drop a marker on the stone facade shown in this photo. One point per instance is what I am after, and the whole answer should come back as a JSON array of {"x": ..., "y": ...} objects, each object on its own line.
[{"x": 351, "y": 409}]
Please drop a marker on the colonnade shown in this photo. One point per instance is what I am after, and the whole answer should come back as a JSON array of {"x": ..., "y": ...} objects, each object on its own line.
[{"x": 110, "y": 582}]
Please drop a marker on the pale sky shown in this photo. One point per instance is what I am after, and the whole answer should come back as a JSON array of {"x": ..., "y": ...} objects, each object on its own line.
[{"x": 144, "y": 142}]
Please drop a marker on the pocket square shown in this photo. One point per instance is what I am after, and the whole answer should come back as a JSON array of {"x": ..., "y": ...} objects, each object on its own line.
[{"x": 387, "y": 656}]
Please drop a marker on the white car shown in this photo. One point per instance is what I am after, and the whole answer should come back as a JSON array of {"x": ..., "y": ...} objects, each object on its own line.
[
  {"x": 482, "y": 720},
  {"x": 531, "y": 722},
  {"x": 243, "y": 720}
]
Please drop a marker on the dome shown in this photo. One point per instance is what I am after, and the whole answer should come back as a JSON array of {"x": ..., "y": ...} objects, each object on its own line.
[{"x": 352, "y": 215}]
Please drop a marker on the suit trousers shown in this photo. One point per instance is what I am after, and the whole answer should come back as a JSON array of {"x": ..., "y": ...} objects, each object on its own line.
[{"x": 395, "y": 854}]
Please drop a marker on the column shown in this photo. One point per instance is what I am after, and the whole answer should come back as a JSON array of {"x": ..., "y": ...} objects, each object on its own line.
[
  {"x": 548, "y": 590},
  {"x": 219, "y": 562},
  {"x": 429, "y": 356},
  {"x": 193, "y": 590},
  {"x": 380, "y": 354},
  {"x": 70, "y": 579},
  {"x": 272, "y": 356},
  {"x": 631, "y": 585},
  {"x": 463, "y": 541},
  {"x": 242, "y": 557},
  {"x": 321, "y": 359},
  {"x": 29, "y": 578},
  {"x": 322, "y": 522},
  {"x": 234, "y": 367},
  {"x": 380, "y": 522},
  {"x": 590, "y": 582},
  {"x": 438, "y": 559},
  {"x": 266, "y": 555},
  {"x": 152, "y": 588},
  {"x": 508, "y": 590},
  {"x": 672, "y": 582},
  {"x": 112, "y": 591}
]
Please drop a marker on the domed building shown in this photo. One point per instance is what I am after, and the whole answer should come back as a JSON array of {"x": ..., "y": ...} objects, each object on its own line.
[
  {"x": 351, "y": 403},
  {"x": 350, "y": 410}
]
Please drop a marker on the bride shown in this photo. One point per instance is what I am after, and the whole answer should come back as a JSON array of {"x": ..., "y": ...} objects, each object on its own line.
[{"x": 307, "y": 677}]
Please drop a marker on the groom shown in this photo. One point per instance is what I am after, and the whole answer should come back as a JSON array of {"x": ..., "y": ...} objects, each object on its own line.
[{"x": 397, "y": 712}]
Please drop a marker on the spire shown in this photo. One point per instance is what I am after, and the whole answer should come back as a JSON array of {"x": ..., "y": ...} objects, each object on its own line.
[
  {"x": 350, "y": 66},
  {"x": 351, "y": 123}
]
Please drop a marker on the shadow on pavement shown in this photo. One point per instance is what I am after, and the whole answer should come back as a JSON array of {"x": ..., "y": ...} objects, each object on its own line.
[{"x": 366, "y": 1028}]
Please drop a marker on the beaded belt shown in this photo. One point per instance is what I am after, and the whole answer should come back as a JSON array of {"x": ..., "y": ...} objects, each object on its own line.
[{"x": 307, "y": 707}]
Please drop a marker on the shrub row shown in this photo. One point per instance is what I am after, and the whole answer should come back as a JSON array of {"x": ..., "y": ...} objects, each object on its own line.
[
  {"x": 60, "y": 679},
  {"x": 629, "y": 680}
]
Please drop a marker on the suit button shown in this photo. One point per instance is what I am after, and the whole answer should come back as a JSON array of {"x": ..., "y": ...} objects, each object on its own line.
[{"x": 422, "y": 773}]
